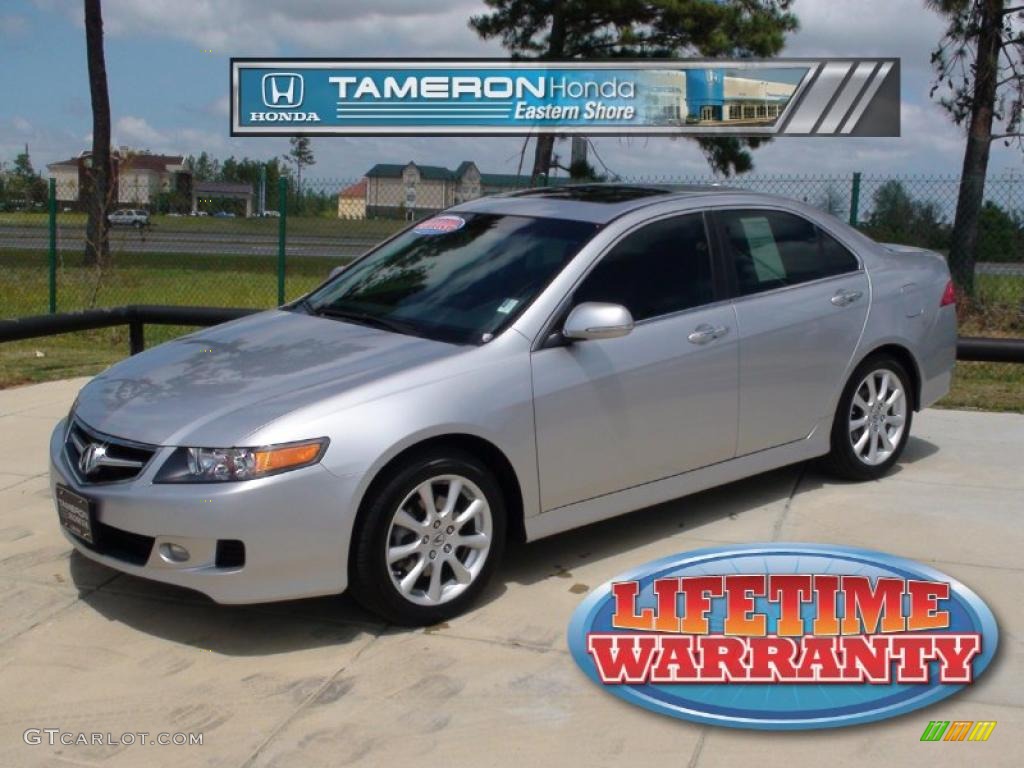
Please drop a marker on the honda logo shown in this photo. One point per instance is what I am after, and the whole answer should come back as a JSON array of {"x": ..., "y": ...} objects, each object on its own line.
[
  {"x": 92, "y": 458},
  {"x": 282, "y": 90}
]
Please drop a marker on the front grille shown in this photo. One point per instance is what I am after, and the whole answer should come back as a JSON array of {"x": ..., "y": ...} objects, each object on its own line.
[
  {"x": 111, "y": 459},
  {"x": 123, "y": 545}
]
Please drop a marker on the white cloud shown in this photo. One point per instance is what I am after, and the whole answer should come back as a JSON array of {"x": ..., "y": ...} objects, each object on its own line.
[
  {"x": 324, "y": 27},
  {"x": 137, "y": 133},
  {"x": 45, "y": 145},
  {"x": 903, "y": 28},
  {"x": 12, "y": 26},
  {"x": 21, "y": 125}
]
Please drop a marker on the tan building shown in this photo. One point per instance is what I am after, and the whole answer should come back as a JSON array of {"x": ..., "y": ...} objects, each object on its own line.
[
  {"x": 140, "y": 177},
  {"x": 352, "y": 201},
  {"x": 412, "y": 191},
  {"x": 65, "y": 175},
  {"x": 408, "y": 191}
]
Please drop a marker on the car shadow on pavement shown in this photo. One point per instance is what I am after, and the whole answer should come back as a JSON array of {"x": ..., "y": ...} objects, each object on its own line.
[
  {"x": 189, "y": 618},
  {"x": 916, "y": 450},
  {"x": 709, "y": 518},
  {"x": 708, "y": 515}
]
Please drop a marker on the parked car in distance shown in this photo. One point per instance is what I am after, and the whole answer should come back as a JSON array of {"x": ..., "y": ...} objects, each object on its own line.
[
  {"x": 223, "y": 215},
  {"x": 129, "y": 217},
  {"x": 517, "y": 366},
  {"x": 271, "y": 214}
]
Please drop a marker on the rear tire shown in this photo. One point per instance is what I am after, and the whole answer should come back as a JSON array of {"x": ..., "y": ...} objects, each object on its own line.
[
  {"x": 872, "y": 420},
  {"x": 429, "y": 538}
]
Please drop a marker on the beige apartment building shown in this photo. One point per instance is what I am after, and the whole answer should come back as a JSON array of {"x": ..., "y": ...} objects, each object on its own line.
[
  {"x": 412, "y": 190},
  {"x": 140, "y": 177}
]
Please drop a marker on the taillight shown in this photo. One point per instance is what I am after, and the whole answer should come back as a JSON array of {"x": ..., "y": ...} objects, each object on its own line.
[{"x": 948, "y": 295}]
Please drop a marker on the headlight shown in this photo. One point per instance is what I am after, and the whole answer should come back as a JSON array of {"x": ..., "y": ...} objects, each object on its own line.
[{"x": 224, "y": 465}]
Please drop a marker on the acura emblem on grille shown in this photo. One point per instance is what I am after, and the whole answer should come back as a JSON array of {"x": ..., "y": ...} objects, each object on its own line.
[{"x": 92, "y": 457}]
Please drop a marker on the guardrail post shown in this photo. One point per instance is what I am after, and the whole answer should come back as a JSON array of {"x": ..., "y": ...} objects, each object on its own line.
[
  {"x": 855, "y": 199},
  {"x": 282, "y": 209},
  {"x": 53, "y": 244},
  {"x": 136, "y": 337}
]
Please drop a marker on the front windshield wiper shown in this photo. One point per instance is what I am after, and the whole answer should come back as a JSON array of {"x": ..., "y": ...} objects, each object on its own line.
[{"x": 363, "y": 318}]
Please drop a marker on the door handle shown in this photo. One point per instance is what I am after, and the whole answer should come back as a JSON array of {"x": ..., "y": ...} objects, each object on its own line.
[
  {"x": 705, "y": 333},
  {"x": 844, "y": 297}
]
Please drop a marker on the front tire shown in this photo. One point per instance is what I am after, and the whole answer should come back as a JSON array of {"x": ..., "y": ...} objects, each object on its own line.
[
  {"x": 872, "y": 421},
  {"x": 429, "y": 539}
]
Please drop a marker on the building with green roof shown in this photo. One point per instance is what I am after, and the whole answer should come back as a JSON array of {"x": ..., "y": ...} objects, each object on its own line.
[{"x": 411, "y": 191}]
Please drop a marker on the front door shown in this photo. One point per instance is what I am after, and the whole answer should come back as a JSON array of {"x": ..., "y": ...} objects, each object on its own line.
[{"x": 617, "y": 413}]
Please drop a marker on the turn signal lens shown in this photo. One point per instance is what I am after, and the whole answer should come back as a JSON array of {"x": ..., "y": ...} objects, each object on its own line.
[
  {"x": 948, "y": 295},
  {"x": 286, "y": 457}
]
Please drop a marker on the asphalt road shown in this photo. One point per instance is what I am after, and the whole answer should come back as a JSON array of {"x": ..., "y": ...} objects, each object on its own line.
[
  {"x": 155, "y": 240},
  {"x": 129, "y": 239}
]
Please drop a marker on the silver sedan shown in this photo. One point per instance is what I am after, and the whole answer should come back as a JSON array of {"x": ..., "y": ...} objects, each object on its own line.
[{"x": 514, "y": 367}]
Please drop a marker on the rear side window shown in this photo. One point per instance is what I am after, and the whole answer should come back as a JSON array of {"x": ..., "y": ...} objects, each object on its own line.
[
  {"x": 773, "y": 249},
  {"x": 661, "y": 268},
  {"x": 836, "y": 257}
]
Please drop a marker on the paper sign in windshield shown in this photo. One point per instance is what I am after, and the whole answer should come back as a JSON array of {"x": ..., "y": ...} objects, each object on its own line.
[{"x": 440, "y": 225}]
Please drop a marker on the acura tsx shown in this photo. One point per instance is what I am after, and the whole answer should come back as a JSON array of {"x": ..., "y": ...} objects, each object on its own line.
[{"x": 515, "y": 366}]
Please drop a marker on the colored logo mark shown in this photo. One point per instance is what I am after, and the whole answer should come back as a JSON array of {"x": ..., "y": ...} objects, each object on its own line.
[{"x": 958, "y": 730}]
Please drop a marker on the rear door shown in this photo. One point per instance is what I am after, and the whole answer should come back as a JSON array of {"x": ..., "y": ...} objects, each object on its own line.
[
  {"x": 615, "y": 413},
  {"x": 801, "y": 303}
]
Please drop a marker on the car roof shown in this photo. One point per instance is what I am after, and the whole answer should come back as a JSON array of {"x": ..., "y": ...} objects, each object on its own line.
[{"x": 597, "y": 203}]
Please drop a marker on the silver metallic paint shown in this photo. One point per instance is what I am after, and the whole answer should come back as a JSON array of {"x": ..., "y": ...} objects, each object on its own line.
[{"x": 591, "y": 430}]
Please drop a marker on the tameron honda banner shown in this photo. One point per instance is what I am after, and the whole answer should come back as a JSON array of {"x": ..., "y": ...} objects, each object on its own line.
[{"x": 836, "y": 97}]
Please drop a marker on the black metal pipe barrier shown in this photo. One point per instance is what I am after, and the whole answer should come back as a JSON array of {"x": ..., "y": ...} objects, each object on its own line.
[
  {"x": 137, "y": 316},
  {"x": 990, "y": 350}
]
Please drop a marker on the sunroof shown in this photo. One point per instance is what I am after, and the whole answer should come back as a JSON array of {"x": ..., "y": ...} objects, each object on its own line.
[{"x": 595, "y": 193}]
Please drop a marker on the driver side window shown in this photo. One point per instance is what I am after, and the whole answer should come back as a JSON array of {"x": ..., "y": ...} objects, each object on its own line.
[{"x": 662, "y": 268}]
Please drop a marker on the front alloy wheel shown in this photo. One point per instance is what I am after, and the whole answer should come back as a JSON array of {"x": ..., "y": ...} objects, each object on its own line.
[
  {"x": 439, "y": 540},
  {"x": 428, "y": 537}
]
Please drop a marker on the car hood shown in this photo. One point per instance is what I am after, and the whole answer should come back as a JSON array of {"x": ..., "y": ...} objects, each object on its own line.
[{"x": 216, "y": 386}]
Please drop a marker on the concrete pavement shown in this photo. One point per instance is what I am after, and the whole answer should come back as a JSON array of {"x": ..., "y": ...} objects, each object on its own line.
[{"x": 321, "y": 683}]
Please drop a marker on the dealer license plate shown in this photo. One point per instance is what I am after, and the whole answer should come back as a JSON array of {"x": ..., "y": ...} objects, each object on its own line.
[{"x": 76, "y": 513}]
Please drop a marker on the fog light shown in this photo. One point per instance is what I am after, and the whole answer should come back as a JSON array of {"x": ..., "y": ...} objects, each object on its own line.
[{"x": 173, "y": 553}]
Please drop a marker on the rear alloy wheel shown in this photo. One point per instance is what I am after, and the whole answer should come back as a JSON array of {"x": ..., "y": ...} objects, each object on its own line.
[
  {"x": 429, "y": 539},
  {"x": 878, "y": 417},
  {"x": 872, "y": 421}
]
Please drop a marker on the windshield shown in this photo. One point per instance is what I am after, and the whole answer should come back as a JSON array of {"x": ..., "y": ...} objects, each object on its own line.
[{"x": 459, "y": 278}]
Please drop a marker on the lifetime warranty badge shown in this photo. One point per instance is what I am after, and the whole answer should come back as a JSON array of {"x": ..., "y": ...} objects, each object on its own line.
[
  {"x": 428, "y": 97},
  {"x": 783, "y": 636}
]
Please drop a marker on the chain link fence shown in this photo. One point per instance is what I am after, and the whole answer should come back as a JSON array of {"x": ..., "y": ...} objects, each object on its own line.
[{"x": 240, "y": 245}]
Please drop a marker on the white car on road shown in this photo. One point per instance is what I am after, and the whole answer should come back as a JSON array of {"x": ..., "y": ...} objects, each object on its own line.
[{"x": 129, "y": 217}]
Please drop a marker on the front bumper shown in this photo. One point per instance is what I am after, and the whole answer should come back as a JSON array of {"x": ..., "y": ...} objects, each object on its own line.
[{"x": 295, "y": 527}]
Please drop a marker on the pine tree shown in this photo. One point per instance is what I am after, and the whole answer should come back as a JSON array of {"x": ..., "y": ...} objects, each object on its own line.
[
  {"x": 979, "y": 66},
  {"x": 300, "y": 155},
  {"x": 571, "y": 29}
]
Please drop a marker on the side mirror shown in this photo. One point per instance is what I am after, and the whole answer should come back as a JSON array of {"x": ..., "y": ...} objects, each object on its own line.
[
  {"x": 335, "y": 272},
  {"x": 597, "y": 320}
]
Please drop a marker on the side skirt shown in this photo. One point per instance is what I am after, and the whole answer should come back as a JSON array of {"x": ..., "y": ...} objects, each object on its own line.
[{"x": 620, "y": 502}]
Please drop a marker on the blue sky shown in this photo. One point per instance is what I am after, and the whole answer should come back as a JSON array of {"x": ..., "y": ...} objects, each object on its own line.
[{"x": 167, "y": 63}]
